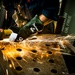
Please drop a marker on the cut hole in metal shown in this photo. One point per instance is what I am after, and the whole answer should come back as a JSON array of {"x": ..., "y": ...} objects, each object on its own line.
[
  {"x": 36, "y": 69},
  {"x": 18, "y": 68},
  {"x": 51, "y": 61},
  {"x": 18, "y": 58},
  {"x": 19, "y": 49},
  {"x": 34, "y": 51},
  {"x": 34, "y": 60},
  {"x": 2, "y": 48},
  {"x": 54, "y": 71},
  {"x": 49, "y": 52},
  {"x": 47, "y": 44}
]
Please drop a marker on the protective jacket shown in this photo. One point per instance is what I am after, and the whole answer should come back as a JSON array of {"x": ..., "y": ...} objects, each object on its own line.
[{"x": 49, "y": 8}]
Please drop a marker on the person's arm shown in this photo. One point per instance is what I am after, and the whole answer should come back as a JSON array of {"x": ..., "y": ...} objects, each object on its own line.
[{"x": 49, "y": 13}]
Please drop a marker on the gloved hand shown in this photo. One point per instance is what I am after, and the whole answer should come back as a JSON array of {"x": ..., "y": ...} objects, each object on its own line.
[
  {"x": 5, "y": 33},
  {"x": 33, "y": 26}
]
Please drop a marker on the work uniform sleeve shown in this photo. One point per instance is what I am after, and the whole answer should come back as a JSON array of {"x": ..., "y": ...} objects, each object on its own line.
[{"x": 50, "y": 8}]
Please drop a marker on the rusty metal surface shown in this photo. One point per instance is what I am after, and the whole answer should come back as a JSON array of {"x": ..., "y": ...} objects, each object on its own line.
[{"x": 35, "y": 56}]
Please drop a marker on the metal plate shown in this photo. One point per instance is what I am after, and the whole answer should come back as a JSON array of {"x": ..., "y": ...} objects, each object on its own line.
[{"x": 37, "y": 55}]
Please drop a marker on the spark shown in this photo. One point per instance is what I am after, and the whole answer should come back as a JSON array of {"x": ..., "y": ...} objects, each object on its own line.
[
  {"x": 10, "y": 65},
  {"x": 11, "y": 56},
  {"x": 69, "y": 37},
  {"x": 61, "y": 44},
  {"x": 57, "y": 49},
  {"x": 7, "y": 72},
  {"x": 25, "y": 60},
  {"x": 64, "y": 53}
]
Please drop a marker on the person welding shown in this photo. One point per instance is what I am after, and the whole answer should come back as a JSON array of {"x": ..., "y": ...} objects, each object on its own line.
[{"x": 41, "y": 13}]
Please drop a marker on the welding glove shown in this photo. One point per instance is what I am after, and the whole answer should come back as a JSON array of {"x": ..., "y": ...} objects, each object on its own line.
[
  {"x": 5, "y": 33},
  {"x": 33, "y": 26}
]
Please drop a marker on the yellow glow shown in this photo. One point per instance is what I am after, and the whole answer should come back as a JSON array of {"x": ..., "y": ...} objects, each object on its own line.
[{"x": 10, "y": 65}]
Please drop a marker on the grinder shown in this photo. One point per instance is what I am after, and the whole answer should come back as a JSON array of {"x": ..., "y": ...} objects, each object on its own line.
[{"x": 33, "y": 26}]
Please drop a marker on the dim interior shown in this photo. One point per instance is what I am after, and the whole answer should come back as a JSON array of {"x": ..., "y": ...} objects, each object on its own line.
[{"x": 42, "y": 50}]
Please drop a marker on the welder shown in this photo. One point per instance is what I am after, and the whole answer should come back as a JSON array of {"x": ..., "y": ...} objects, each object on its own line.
[{"x": 41, "y": 13}]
